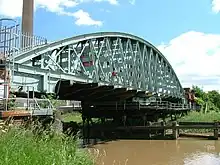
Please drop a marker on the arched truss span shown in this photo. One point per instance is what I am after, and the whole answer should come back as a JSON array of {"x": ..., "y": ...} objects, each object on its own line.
[{"x": 112, "y": 58}]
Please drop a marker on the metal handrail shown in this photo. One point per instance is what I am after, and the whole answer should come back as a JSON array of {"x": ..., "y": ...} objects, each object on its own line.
[
  {"x": 19, "y": 42},
  {"x": 31, "y": 103},
  {"x": 154, "y": 104}
]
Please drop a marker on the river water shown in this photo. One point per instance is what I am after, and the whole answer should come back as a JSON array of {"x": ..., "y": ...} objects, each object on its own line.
[{"x": 158, "y": 152}]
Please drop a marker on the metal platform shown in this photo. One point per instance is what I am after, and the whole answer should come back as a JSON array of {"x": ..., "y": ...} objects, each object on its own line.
[{"x": 25, "y": 107}]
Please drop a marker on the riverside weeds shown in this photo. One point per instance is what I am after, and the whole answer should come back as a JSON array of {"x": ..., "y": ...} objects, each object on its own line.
[
  {"x": 201, "y": 117},
  {"x": 20, "y": 146}
]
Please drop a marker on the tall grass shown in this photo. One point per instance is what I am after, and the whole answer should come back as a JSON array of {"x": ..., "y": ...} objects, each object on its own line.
[{"x": 19, "y": 146}]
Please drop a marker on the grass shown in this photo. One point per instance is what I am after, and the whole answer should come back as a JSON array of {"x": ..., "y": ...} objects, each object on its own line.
[
  {"x": 76, "y": 117},
  {"x": 19, "y": 146},
  {"x": 200, "y": 117}
]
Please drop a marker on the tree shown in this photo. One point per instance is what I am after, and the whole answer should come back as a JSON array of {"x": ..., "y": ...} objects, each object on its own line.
[
  {"x": 200, "y": 93},
  {"x": 214, "y": 97},
  {"x": 210, "y": 99}
]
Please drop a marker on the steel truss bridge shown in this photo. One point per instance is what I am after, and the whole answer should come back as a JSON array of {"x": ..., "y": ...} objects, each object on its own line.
[
  {"x": 107, "y": 60},
  {"x": 100, "y": 69}
]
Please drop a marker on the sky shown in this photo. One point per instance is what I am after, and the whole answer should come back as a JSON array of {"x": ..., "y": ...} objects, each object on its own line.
[{"x": 186, "y": 32}]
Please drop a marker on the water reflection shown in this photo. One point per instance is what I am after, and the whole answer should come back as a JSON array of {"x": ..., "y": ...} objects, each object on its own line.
[
  {"x": 201, "y": 158},
  {"x": 155, "y": 152}
]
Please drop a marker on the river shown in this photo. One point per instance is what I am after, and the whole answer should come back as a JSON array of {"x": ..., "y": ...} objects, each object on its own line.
[{"x": 158, "y": 152}]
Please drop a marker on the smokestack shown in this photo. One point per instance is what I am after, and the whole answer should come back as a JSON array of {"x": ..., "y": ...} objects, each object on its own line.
[{"x": 27, "y": 21}]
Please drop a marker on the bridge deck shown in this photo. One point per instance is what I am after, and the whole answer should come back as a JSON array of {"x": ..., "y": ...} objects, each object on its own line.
[{"x": 97, "y": 92}]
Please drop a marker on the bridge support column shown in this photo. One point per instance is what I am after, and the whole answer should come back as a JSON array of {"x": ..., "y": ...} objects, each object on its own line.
[
  {"x": 45, "y": 82},
  {"x": 216, "y": 129},
  {"x": 175, "y": 130}
]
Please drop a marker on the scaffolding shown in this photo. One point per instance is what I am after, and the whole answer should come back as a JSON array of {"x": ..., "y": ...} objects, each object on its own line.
[
  {"x": 8, "y": 28},
  {"x": 12, "y": 42}
]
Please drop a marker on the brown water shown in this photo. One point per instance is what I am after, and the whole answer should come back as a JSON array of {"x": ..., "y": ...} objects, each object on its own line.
[{"x": 158, "y": 152}]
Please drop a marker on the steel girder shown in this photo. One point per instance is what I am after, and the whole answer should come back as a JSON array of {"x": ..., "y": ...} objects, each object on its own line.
[{"x": 112, "y": 58}]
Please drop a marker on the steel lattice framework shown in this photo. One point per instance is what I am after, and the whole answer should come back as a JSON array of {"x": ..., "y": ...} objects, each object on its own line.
[{"x": 108, "y": 58}]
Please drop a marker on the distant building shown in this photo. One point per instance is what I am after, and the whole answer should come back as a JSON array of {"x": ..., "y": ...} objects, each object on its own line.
[{"x": 190, "y": 97}]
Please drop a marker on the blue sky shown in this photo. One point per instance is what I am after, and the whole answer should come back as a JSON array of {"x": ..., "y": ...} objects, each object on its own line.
[
  {"x": 184, "y": 31},
  {"x": 155, "y": 20}
]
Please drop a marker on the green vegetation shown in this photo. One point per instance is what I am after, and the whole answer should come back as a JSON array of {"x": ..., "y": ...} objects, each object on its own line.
[
  {"x": 210, "y": 109},
  {"x": 11, "y": 104},
  {"x": 22, "y": 146},
  {"x": 210, "y": 101},
  {"x": 76, "y": 117},
  {"x": 54, "y": 101},
  {"x": 201, "y": 117}
]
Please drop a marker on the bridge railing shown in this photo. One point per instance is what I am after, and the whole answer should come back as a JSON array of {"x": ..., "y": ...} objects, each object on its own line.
[
  {"x": 27, "y": 41},
  {"x": 166, "y": 105}
]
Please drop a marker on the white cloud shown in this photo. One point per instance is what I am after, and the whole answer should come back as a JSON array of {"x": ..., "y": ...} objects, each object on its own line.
[
  {"x": 216, "y": 6},
  {"x": 112, "y": 2},
  {"x": 13, "y": 9},
  {"x": 132, "y": 2},
  {"x": 195, "y": 57},
  {"x": 83, "y": 18},
  {"x": 56, "y": 6}
]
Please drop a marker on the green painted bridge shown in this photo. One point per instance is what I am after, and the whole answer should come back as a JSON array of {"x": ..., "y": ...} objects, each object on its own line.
[{"x": 105, "y": 65}]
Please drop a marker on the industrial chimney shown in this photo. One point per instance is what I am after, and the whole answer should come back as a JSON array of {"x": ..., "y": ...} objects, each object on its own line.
[{"x": 27, "y": 22}]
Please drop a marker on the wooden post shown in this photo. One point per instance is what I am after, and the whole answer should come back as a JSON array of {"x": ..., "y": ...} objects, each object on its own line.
[
  {"x": 144, "y": 118},
  {"x": 216, "y": 125},
  {"x": 28, "y": 96},
  {"x": 88, "y": 130},
  {"x": 83, "y": 130},
  {"x": 175, "y": 130},
  {"x": 163, "y": 131},
  {"x": 57, "y": 124},
  {"x": 149, "y": 130},
  {"x": 124, "y": 120}
]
